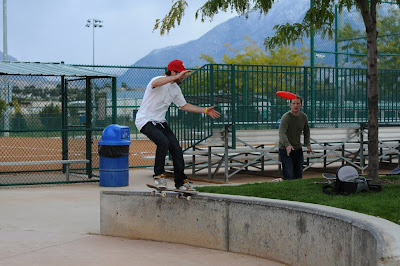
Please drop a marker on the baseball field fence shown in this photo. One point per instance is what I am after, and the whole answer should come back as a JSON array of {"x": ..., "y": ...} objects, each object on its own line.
[{"x": 37, "y": 126}]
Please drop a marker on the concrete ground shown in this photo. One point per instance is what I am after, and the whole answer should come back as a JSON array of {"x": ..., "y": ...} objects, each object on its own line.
[{"x": 60, "y": 225}]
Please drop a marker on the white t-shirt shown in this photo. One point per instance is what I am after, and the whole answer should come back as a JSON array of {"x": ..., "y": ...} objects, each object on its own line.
[{"x": 156, "y": 102}]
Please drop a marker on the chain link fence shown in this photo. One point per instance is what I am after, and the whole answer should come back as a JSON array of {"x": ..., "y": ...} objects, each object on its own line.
[
  {"x": 348, "y": 48},
  {"x": 35, "y": 127},
  {"x": 46, "y": 141}
]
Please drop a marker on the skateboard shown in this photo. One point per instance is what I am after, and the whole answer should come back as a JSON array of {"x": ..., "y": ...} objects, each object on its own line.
[
  {"x": 181, "y": 194},
  {"x": 330, "y": 178},
  {"x": 395, "y": 171}
]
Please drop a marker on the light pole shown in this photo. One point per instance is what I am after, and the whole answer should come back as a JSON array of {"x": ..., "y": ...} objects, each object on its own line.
[
  {"x": 7, "y": 91},
  {"x": 5, "y": 48},
  {"x": 94, "y": 23}
]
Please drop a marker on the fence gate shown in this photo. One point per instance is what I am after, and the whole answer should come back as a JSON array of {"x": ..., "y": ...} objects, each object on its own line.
[{"x": 77, "y": 138}]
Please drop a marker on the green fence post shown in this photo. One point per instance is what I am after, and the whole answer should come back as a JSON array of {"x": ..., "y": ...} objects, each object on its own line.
[
  {"x": 233, "y": 95},
  {"x": 305, "y": 89},
  {"x": 89, "y": 126},
  {"x": 114, "y": 100},
  {"x": 64, "y": 122},
  {"x": 336, "y": 66},
  {"x": 211, "y": 92},
  {"x": 312, "y": 63},
  {"x": 246, "y": 98}
]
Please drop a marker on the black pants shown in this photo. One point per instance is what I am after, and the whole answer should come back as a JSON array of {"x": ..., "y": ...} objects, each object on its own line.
[{"x": 164, "y": 138}]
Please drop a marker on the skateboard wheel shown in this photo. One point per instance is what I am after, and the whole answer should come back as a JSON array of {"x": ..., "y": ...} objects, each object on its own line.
[
  {"x": 153, "y": 193},
  {"x": 163, "y": 194},
  {"x": 188, "y": 198},
  {"x": 177, "y": 196}
]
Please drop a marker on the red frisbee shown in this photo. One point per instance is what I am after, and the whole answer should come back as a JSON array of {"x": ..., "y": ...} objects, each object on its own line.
[{"x": 286, "y": 95}]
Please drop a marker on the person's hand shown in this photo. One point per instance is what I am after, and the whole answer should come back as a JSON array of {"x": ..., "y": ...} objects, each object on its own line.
[
  {"x": 309, "y": 150},
  {"x": 213, "y": 113},
  {"x": 288, "y": 150},
  {"x": 182, "y": 74}
]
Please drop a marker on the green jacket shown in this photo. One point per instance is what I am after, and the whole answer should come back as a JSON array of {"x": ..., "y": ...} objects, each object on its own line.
[{"x": 291, "y": 128}]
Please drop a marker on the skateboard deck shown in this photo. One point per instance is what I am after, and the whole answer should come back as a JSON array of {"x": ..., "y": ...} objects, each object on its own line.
[
  {"x": 330, "y": 178},
  {"x": 395, "y": 171},
  {"x": 162, "y": 192}
]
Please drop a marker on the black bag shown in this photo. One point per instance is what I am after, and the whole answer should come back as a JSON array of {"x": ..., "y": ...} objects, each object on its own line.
[
  {"x": 113, "y": 151},
  {"x": 347, "y": 182}
]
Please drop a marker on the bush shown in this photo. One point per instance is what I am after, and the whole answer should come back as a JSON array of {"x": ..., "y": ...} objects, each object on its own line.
[
  {"x": 3, "y": 106},
  {"x": 50, "y": 116},
  {"x": 19, "y": 122}
]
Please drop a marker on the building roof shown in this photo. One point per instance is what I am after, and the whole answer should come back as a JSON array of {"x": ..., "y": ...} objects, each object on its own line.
[{"x": 47, "y": 69}]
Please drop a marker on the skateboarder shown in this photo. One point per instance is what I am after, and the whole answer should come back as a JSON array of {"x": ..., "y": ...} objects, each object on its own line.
[
  {"x": 150, "y": 120},
  {"x": 293, "y": 124}
]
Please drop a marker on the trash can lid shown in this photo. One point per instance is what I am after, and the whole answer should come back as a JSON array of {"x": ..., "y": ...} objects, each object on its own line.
[{"x": 115, "y": 135}]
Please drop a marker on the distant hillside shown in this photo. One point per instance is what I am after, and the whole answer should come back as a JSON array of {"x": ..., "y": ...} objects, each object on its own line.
[
  {"x": 232, "y": 31},
  {"x": 212, "y": 43},
  {"x": 10, "y": 58}
]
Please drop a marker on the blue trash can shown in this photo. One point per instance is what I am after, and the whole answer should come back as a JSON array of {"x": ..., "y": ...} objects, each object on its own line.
[{"x": 113, "y": 153}]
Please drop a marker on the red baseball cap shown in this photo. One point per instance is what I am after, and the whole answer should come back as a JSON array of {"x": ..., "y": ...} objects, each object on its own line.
[{"x": 176, "y": 65}]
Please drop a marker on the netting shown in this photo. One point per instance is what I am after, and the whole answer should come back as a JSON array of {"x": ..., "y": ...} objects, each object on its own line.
[
  {"x": 349, "y": 45},
  {"x": 45, "y": 120}
]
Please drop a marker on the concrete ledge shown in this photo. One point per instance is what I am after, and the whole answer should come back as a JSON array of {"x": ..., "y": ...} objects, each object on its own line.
[{"x": 289, "y": 232}]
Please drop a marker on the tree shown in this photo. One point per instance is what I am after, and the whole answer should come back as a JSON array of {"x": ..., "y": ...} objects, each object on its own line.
[
  {"x": 124, "y": 85},
  {"x": 319, "y": 18},
  {"x": 50, "y": 116},
  {"x": 388, "y": 42},
  {"x": 18, "y": 122},
  {"x": 208, "y": 58},
  {"x": 3, "y": 106},
  {"x": 252, "y": 54}
]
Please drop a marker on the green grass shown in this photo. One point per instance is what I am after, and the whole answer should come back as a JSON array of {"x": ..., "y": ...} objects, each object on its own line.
[{"x": 384, "y": 204}]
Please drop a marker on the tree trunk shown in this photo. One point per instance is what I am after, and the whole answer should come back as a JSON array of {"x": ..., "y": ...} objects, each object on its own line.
[{"x": 368, "y": 12}]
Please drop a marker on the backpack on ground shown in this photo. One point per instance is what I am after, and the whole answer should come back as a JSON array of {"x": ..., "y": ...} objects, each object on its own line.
[{"x": 349, "y": 182}]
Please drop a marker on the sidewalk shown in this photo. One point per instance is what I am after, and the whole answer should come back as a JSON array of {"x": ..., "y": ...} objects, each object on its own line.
[{"x": 60, "y": 225}]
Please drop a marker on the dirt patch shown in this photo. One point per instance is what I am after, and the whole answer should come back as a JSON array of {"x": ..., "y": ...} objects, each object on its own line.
[{"x": 16, "y": 149}]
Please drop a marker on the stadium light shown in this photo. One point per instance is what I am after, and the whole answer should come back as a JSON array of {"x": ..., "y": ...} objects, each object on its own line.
[{"x": 94, "y": 23}]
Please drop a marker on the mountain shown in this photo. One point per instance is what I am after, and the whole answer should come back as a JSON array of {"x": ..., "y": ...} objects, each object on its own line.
[
  {"x": 257, "y": 27},
  {"x": 232, "y": 31},
  {"x": 10, "y": 58}
]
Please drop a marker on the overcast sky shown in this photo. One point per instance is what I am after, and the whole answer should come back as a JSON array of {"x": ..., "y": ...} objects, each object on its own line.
[{"x": 55, "y": 31}]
